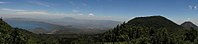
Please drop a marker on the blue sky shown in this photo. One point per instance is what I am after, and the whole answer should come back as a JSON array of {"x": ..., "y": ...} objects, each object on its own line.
[{"x": 118, "y": 10}]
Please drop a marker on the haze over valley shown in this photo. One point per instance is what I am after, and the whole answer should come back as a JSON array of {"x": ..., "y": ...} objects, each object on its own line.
[{"x": 98, "y": 22}]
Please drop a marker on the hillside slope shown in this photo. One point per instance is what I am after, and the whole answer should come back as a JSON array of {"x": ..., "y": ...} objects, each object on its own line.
[
  {"x": 9, "y": 35},
  {"x": 154, "y": 22},
  {"x": 189, "y": 25},
  {"x": 145, "y": 30}
]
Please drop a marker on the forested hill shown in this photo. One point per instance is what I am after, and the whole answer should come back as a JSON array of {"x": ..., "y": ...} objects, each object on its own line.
[
  {"x": 154, "y": 22},
  {"x": 146, "y": 30},
  {"x": 150, "y": 30}
]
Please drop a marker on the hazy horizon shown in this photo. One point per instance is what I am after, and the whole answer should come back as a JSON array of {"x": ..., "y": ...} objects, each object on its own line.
[
  {"x": 98, "y": 22},
  {"x": 116, "y": 10}
]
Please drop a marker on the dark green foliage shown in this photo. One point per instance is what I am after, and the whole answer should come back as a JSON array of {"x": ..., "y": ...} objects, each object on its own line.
[
  {"x": 141, "y": 30},
  {"x": 154, "y": 22},
  {"x": 145, "y": 35},
  {"x": 147, "y": 30},
  {"x": 150, "y": 30}
]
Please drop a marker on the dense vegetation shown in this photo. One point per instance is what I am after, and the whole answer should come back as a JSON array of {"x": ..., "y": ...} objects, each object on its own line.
[
  {"x": 10, "y": 35},
  {"x": 146, "y": 30},
  {"x": 149, "y": 35},
  {"x": 140, "y": 30}
]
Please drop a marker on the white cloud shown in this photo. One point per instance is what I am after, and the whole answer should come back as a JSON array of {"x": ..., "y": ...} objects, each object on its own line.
[
  {"x": 33, "y": 12},
  {"x": 8, "y": 9},
  {"x": 40, "y": 3},
  {"x": 3, "y": 2},
  {"x": 20, "y": 11},
  {"x": 114, "y": 18},
  {"x": 193, "y": 7},
  {"x": 91, "y": 14}
]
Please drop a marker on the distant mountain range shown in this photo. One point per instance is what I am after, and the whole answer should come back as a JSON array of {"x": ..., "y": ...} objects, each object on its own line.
[
  {"x": 84, "y": 23},
  {"x": 61, "y": 26},
  {"x": 29, "y": 24}
]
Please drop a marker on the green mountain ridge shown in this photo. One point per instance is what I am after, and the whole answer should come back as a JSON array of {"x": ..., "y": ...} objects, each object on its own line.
[
  {"x": 150, "y": 30},
  {"x": 145, "y": 30},
  {"x": 140, "y": 30},
  {"x": 154, "y": 22}
]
